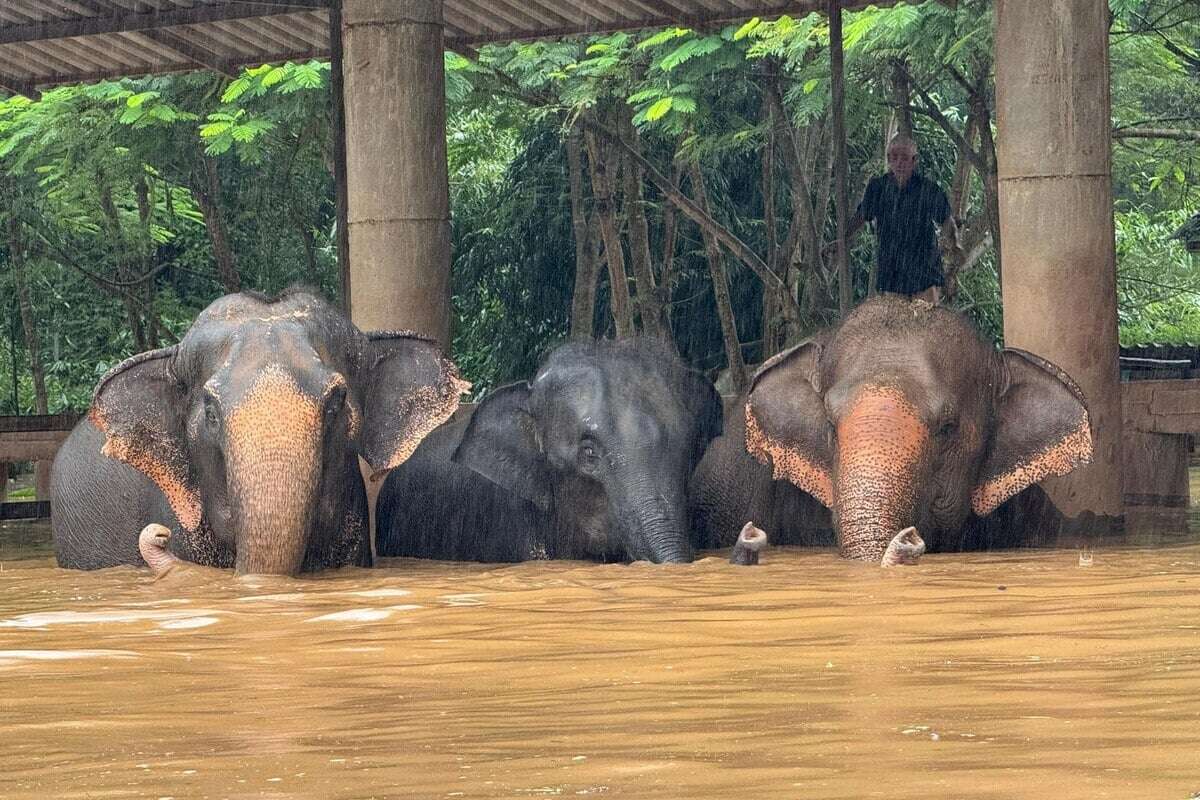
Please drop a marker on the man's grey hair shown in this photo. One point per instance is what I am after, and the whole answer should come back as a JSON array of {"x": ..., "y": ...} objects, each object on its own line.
[{"x": 900, "y": 140}]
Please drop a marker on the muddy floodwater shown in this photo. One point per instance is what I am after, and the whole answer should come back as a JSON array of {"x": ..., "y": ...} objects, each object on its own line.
[{"x": 1000, "y": 675}]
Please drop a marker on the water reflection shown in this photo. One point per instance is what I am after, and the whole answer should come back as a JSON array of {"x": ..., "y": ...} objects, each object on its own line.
[{"x": 1002, "y": 675}]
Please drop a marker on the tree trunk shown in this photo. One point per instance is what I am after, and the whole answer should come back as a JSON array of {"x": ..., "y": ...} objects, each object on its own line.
[
  {"x": 208, "y": 195},
  {"x": 901, "y": 101},
  {"x": 602, "y": 192},
  {"x": 838, "y": 111},
  {"x": 720, "y": 283},
  {"x": 650, "y": 310},
  {"x": 666, "y": 276},
  {"x": 149, "y": 252},
  {"x": 771, "y": 326},
  {"x": 124, "y": 274},
  {"x": 583, "y": 299},
  {"x": 16, "y": 253}
]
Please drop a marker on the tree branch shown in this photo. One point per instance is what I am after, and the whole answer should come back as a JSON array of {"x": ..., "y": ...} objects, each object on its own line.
[{"x": 1180, "y": 134}]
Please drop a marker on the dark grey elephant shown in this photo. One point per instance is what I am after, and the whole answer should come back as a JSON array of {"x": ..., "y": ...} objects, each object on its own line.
[
  {"x": 900, "y": 416},
  {"x": 244, "y": 439},
  {"x": 589, "y": 460}
]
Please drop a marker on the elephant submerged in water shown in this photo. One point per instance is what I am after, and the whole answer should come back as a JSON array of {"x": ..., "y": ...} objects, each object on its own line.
[
  {"x": 900, "y": 416},
  {"x": 589, "y": 460},
  {"x": 244, "y": 439}
]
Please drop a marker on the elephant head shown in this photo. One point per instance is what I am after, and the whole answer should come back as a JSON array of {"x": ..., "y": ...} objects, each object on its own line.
[
  {"x": 603, "y": 439},
  {"x": 253, "y": 424},
  {"x": 904, "y": 416}
]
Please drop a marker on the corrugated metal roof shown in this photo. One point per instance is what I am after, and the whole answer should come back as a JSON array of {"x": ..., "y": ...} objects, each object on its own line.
[{"x": 43, "y": 43}]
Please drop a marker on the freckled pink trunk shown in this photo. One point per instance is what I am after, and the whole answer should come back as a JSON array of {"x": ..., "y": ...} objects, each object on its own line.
[
  {"x": 275, "y": 513},
  {"x": 273, "y": 471},
  {"x": 881, "y": 445}
]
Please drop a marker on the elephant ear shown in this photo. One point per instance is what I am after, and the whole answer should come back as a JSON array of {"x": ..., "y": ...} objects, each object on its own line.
[
  {"x": 408, "y": 389},
  {"x": 1042, "y": 429},
  {"x": 786, "y": 425},
  {"x": 139, "y": 407},
  {"x": 502, "y": 444}
]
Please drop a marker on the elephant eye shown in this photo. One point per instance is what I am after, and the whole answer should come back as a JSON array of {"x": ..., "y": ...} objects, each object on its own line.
[
  {"x": 589, "y": 455},
  {"x": 949, "y": 428},
  {"x": 210, "y": 411},
  {"x": 333, "y": 406}
]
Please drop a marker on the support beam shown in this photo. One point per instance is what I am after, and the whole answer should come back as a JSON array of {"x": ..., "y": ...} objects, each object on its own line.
[
  {"x": 338, "y": 123},
  {"x": 168, "y": 39},
  {"x": 1056, "y": 218},
  {"x": 399, "y": 193},
  {"x": 838, "y": 112},
  {"x": 146, "y": 20},
  {"x": 17, "y": 86}
]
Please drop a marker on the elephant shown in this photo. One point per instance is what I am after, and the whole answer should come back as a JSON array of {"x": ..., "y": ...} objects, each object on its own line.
[
  {"x": 902, "y": 415},
  {"x": 244, "y": 439},
  {"x": 589, "y": 460}
]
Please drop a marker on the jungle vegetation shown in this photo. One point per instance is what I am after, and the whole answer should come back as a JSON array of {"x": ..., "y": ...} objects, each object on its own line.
[{"x": 670, "y": 183}]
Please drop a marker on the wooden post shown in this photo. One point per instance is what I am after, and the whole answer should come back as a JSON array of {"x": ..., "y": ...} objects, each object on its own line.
[
  {"x": 399, "y": 195},
  {"x": 1056, "y": 218},
  {"x": 838, "y": 112},
  {"x": 338, "y": 132}
]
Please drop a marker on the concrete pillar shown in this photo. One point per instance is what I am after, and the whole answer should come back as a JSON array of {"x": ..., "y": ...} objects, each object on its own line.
[
  {"x": 399, "y": 205},
  {"x": 1059, "y": 267}
]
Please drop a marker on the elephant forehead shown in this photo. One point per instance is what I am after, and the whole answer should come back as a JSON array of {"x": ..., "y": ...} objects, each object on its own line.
[
  {"x": 223, "y": 346},
  {"x": 274, "y": 414},
  {"x": 882, "y": 418}
]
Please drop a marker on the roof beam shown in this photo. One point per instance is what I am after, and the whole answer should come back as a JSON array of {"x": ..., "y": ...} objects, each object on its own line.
[
  {"x": 149, "y": 20},
  {"x": 17, "y": 86},
  {"x": 168, "y": 39}
]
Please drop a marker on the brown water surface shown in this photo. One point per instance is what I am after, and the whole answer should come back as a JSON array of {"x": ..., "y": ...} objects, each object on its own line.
[{"x": 1001, "y": 675}]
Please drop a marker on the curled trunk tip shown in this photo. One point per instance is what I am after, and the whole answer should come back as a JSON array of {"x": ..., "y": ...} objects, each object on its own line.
[
  {"x": 906, "y": 547},
  {"x": 750, "y": 543},
  {"x": 152, "y": 544}
]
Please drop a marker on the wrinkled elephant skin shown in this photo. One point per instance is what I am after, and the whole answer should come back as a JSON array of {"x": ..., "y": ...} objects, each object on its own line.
[
  {"x": 900, "y": 416},
  {"x": 245, "y": 439},
  {"x": 589, "y": 460}
]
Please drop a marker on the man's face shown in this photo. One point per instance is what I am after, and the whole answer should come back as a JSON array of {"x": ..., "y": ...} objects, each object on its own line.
[{"x": 902, "y": 160}]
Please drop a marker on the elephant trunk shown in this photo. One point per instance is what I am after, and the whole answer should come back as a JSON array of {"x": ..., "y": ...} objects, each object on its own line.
[
  {"x": 882, "y": 446},
  {"x": 659, "y": 528},
  {"x": 273, "y": 469}
]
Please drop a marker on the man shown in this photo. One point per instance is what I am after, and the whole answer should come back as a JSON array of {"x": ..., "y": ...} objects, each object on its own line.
[{"x": 906, "y": 208}]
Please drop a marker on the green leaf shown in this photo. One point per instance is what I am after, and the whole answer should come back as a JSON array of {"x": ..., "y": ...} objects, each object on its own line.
[
  {"x": 747, "y": 29},
  {"x": 214, "y": 129},
  {"x": 811, "y": 84},
  {"x": 683, "y": 104},
  {"x": 689, "y": 50},
  {"x": 664, "y": 36},
  {"x": 645, "y": 94},
  {"x": 135, "y": 101},
  {"x": 659, "y": 109}
]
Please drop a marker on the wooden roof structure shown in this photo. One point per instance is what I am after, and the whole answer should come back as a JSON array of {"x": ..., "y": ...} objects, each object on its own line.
[{"x": 44, "y": 43}]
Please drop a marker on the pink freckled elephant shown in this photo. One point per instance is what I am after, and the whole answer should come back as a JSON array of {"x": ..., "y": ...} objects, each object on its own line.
[{"x": 900, "y": 416}]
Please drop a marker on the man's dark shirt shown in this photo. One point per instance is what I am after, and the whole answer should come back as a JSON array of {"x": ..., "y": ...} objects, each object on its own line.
[{"x": 909, "y": 261}]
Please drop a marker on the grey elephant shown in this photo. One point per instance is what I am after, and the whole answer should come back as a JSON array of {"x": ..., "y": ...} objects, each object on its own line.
[
  {"x": 244, "y": 439},
  {"x": 588, "y": 460},
  {"x": 900, "y": 416}
]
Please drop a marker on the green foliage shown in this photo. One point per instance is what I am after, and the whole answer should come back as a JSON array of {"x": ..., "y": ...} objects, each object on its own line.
[{"x": 1158, "y": 284}]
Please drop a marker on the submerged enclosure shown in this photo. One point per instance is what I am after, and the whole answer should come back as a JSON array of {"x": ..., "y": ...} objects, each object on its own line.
[{"x": 1025, "y": 674}]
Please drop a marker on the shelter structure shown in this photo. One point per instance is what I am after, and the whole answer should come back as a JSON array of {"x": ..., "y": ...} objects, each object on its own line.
[{"x": 1052, "y": 104}]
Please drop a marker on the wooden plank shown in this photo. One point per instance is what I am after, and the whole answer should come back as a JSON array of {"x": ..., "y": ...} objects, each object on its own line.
[
  {"x": 1162, "y": 406},
  {"x": 39, "y": 422},
  {"x": 43, "y": 450},
  {"x": 143, "y": 21},
  {"x": 34, "y": 509}
]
